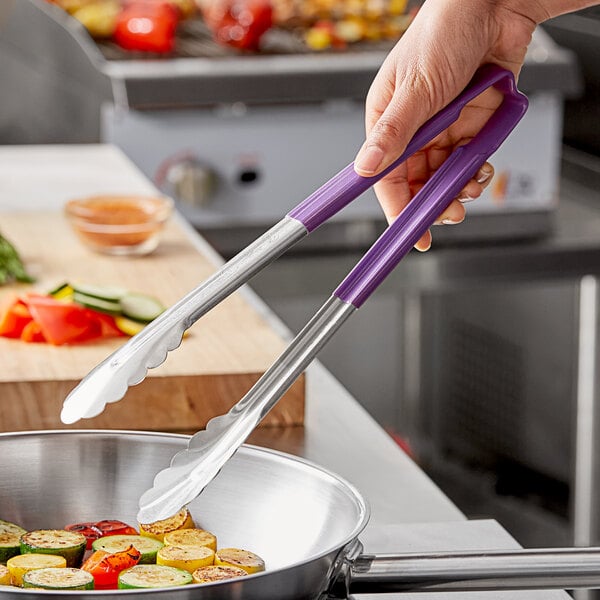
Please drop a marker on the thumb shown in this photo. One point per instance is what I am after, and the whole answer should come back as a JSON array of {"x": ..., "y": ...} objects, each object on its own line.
[{"x": 389, "y": 131}]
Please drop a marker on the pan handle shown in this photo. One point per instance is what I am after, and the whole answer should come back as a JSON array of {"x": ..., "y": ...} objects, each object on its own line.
[{"x": 554, "y": 568}]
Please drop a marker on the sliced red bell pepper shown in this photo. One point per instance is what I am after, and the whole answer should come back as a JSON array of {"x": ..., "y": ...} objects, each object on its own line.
[
  {"x": 32, "y": 332},
  {"x": 108, "y": 327},
  {"x": 61, "y": 322},
  {"x": 105, "y": 567},
  {"x": 14, "y": 316}
]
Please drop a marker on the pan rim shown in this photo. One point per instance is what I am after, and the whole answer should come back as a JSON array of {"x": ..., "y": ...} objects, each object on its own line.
[{"x": 361, "y": 502}]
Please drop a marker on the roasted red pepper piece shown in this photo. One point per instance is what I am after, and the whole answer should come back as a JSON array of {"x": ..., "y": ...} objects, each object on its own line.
[
  {"x": 239, "y": 23},
  {"x": 112, "y": 527},
  {"x": 90, "y": 531},
  {"x": 147, "y": 26},
  {"x": 105, "y": 567}
]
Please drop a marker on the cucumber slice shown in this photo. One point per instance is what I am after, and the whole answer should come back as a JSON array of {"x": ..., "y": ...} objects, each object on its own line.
[
  {"x": 9, "y": 546},
  {"x": 107, "y": 293},
  {"x": 21, "y": 564},
  {"x": 64, "y": 290},
  {"x": 53, "y": 578},
  {"x": 153, "y": 576},
  {"x": 141, "y": 307},
  {"x": 147, "y": 547},
  {"x": 69, "y": 544},
  {"x": 105, "y": 306}
]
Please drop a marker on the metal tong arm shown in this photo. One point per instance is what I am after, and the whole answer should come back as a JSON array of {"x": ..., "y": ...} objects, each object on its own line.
[
  {"x": 380, "y": 260},
  {"x": 108, "y": 382},
  {"x": 192, "y": 469},
  {"x": 556, "y": 568}
]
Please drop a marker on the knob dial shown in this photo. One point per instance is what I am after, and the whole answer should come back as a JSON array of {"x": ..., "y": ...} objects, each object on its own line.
[{"x": 193, "y": 182}]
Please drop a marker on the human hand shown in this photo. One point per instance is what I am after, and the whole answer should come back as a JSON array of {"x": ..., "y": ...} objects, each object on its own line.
[{"x": 431, "y": 64}]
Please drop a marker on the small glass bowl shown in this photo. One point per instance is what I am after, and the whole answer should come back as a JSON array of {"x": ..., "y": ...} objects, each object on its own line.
[{"x": 119, "y": 225}]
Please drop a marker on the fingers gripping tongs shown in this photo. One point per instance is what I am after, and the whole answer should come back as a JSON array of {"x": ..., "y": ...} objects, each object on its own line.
[{"x": 192, "y": 469}]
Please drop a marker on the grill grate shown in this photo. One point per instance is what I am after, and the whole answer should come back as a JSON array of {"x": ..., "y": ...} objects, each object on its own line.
[{"x": 194, "y": 40}]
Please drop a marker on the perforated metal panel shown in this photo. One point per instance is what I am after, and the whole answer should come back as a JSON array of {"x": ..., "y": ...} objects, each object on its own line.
[{"x": 484, "y": 374}]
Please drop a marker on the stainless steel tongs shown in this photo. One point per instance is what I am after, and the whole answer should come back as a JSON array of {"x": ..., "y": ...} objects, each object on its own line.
[{"x": 192, "y": 469}]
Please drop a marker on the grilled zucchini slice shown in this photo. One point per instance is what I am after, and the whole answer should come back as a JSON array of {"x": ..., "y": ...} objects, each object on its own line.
[
  {"x": 21, "y": 564},
  {"x": 8, "y": 527},
  {"x": 188, "y": 558},
  {"x": 69, "y": 544},
  {"x": 153, "y": 576},
  {"x": 158, "y": 529},
  {"x": 10, "y": 534},
  {"x": 52, "y": 578},
  {"x": 217, "y": 573},
  {"x": 9, "y": 546},
  {"x": 147, "y": 547},
  {"x": 236, "y": 557},
  {"x": 191, "y": 537},
  {"x": 4, "y": 575}
]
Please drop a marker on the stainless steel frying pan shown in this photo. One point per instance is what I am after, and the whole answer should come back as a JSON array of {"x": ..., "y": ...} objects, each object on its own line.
[{"x": 303, "y": 520}]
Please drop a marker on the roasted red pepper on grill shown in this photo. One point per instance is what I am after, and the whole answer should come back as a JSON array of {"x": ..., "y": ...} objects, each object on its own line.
[
  {"x": 147, "y": 26},
  {"x": 239, "y": 23}
]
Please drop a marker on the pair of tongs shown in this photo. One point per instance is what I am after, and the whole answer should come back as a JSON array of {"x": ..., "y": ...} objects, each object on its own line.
[{"x": 208, "y": 450}]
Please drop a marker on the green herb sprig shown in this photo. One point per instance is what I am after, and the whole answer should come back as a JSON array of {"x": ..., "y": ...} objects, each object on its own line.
[{"x": 11, "y": 265}]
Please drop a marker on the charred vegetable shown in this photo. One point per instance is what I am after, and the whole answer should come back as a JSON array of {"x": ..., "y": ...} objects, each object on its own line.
[
  {"x": 217, "y": 573},
  {"x": 53, "y": 578},
  {"x": 191, "y": 537},
  {"x": 243, "y": 559},
  {"x": 188, "y": 558},
  {"x": 158, "y": 529},
  {"x": 153, "y": 576},
  {"x": 118, "y": 543},
  {"x": 21, "y": 564},
  {"x": 105, "y": 567},
  {"x": 68, "y": 544}
]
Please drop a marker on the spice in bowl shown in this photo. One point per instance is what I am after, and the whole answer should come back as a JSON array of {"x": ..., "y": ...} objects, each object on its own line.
[{"x": 119, "y": 225}]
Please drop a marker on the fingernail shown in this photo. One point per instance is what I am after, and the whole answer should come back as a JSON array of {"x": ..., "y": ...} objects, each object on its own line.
[
  {"x": 464, "y": 198},
  {"x": 484, "y": 174},
  {"x": 423, "y": 249},
  {"x": 368, "y": 160},
  {"x": 450, "y": 222}
]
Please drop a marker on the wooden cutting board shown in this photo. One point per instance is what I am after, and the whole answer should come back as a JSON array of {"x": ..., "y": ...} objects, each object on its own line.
[{"x": 224, "y": 354}]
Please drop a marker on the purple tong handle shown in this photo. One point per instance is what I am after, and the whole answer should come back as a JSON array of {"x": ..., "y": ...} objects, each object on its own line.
[{"x": 422, "y": 211}]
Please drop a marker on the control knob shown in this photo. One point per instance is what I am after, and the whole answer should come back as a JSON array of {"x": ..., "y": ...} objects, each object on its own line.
[{"x": 193, "y": 182}]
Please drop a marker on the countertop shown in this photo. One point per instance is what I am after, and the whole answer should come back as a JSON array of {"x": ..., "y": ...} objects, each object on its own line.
[{"x": 338, "y": 433}]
